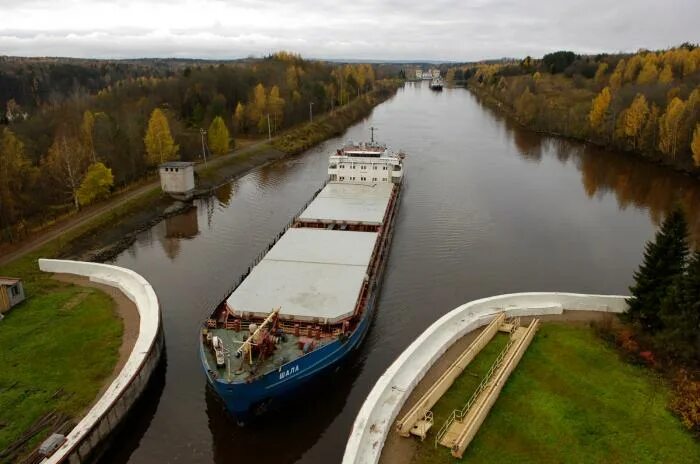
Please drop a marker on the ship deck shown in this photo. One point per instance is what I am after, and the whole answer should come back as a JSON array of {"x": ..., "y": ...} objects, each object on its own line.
[
  {"x": 313, "y": 275},
  {"x": 362, "y": 203},
  {"x": 284, "y": 353}
]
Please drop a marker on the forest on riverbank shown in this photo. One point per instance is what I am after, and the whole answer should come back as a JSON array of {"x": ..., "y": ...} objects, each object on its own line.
[
  {"x": 73, "y": 131},
  {"x": 646, "y": 102}
]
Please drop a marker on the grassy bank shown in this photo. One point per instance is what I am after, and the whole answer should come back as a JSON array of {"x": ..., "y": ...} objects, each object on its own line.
[
  {"x": 333, "y": 124},
  {"x": 57, "y": 350},
  {"x": 571, "y": 399}
]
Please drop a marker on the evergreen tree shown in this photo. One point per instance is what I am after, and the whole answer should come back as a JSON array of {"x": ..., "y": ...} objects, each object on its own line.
[
  {"x": 664, "y": 261},
  {"x": 680, "y": 314}
]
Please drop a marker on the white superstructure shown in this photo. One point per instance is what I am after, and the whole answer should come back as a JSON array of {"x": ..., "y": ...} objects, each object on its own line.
[{"x": 366, "y": 163}]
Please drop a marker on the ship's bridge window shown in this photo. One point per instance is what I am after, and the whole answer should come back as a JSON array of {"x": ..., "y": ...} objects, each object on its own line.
[
  {"x": 374, "y": 167},
  {"x": 342, "y": 166},
  {"x": 397, "y": 168},
  {"x": 383, "y": 168},
  {"x": 333, "y": 166}
]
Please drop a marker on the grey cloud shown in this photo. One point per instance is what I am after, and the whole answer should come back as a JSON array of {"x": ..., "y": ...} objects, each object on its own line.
[{"x": 409, "y": 29}]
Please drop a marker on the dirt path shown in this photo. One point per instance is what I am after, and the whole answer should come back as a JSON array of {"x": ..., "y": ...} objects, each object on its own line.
[
  {"x": 79, "y": 219},
  {"x": 401, "y": 450}
]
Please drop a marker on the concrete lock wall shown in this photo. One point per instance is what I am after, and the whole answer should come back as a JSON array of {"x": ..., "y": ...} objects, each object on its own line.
[
  {"x": 378, "y": 413},
  {"x": 126, "y": 388}
]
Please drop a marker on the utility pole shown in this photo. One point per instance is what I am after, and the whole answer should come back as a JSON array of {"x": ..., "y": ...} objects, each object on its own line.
[
  {"x": 203, "y": 132},
  {"x": 372, "y": 129},
  {"x": 269, "y": 131},
  {"x": 311, "y": 111}
]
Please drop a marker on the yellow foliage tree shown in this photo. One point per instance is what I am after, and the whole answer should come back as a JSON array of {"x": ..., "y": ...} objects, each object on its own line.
[
  {"x": 670, "y": 127},
  {"x": 257, "y": 107},
  {"x": 96, "y": 184},
  {"x": 633, "y": 66},
  {"x": 275, "y": 106},
  {"x": 599, "y": 108},
  {"x": 600, "y": 73},
  {"x": 239, "y": 122},
  {"x": 160, "y": 146},
  {"x": 526, "y": 106},
  {"x": 616, "y": 77},
  {"x": 635, "y": 117},
  {"x": 695, "y": 145},
  {"x": 666, "y": 75},
  {"x": 218, "y": 137},
  {"x": 292, "y": 78},
  {"x": 648, "y": 74}
]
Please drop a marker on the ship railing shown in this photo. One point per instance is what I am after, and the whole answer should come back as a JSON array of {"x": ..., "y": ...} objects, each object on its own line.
[
  {"x": 262, "y": 254},
  {"x": 460, "y": 414}
]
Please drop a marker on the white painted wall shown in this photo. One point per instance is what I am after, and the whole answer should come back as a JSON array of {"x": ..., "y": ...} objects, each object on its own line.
[
  {"x": 177, "y": 180},
  {"x": 127, "y": 386},
  {"x": 378, "y": 413}
]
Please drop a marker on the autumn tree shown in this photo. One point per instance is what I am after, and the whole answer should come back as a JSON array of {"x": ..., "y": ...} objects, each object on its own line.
[
  {"x": 96, "y": 184},
  {"x": 87, "y": 128},
  {"x": 66, "y": 164},
  {"x": 218, "y": 136},
  {"x": 599, "y": 77},
  {"x": 695, "y": 145},
  {"x": 160, "y": 146},
  {"x": 616, "y": 76},
  {"x": 649, "y": 135},
  {"x": 634, "y": 64},
  {"x": 649, "y": 73},
  {"x": 275, "y": 106},
  {"x": 666, "y": 75},
  {"x": 239, "y": 121},
  {"x": 526, "y": 106},
  {"x": 14, "y": 177},
  {"x": 599, "y": 108},
  {"x": 670, "y": 127},
  {"x": 258, "y": 105},
  {"x": 635, "y": 117}
]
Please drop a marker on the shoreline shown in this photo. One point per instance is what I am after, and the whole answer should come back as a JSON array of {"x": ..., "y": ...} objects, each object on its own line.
[
  {"x": 494, "y": 104},
  {"x": 114, "y": 225}
]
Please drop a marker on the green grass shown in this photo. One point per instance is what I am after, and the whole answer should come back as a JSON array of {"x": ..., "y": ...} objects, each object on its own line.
[
  {"x": 47, "y": 346},
  {"x": 63, "y": 338},
  {"x": 571, "y": 400}
]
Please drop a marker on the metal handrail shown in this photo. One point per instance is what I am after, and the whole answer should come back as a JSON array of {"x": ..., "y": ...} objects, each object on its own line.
[{"x": 459, "y": 414}]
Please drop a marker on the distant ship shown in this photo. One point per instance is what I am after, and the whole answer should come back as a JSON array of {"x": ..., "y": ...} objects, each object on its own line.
[
  {"x": 436, "y": 83},
  {"x": 307, "y": 302}
]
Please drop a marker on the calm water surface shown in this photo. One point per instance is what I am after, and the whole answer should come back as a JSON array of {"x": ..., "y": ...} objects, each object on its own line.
[{"x": 487, "y": 209}]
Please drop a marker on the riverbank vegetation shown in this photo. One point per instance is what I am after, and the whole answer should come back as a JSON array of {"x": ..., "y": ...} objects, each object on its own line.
[
  {"x": 571, "y": 399},
  {"x": 130, "y": 116},
  {"x": 664, "y": 317},
  {"x": 647, "y": 102}
]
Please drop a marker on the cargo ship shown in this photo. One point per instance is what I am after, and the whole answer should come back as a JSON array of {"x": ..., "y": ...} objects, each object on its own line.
[
  {"x": 306, "y": 302},
  {"x": 436, "y": 83}
]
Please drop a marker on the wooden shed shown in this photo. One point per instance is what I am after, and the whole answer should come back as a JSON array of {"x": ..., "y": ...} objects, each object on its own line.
[{"x": 11, "y": 293}]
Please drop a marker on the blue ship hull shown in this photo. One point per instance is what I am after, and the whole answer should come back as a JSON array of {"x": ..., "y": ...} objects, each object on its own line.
[{"x": 247, "y": 399}]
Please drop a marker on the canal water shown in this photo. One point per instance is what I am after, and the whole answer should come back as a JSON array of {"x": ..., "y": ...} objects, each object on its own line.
[{"x": 487, "y": 209}]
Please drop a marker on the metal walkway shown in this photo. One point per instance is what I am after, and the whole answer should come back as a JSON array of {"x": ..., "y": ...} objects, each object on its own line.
[
  {"x": 419, "y": 419},
  {"x": 463, "y": 424}
]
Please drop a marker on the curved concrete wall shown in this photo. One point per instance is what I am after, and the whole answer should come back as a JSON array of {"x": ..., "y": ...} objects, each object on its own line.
[
  {"x": 378, "y": 413},
  {"x": 126, "y": 388}
]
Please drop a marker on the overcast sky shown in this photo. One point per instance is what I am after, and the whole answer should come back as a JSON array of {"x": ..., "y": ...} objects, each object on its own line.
[{"x": 358, "y": 29}]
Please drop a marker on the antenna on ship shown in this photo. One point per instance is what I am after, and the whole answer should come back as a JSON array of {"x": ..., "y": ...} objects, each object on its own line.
[{"x": 372, "y": 129}]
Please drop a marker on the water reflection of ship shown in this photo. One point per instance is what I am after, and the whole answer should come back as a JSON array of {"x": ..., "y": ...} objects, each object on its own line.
[{"x": 181, "y": 226}]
